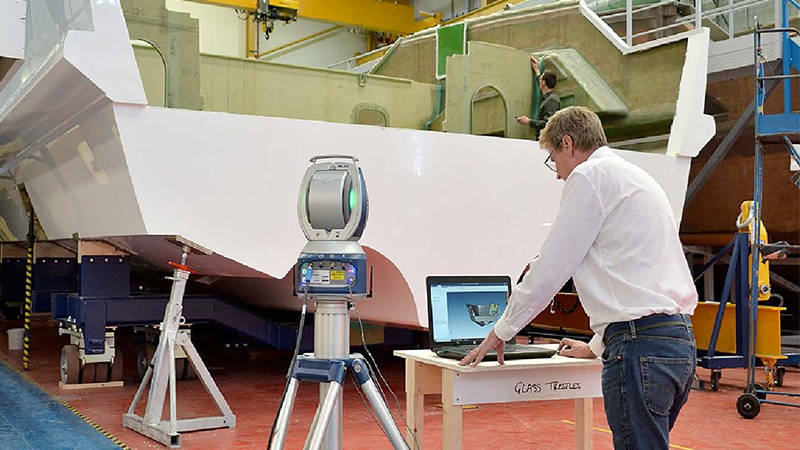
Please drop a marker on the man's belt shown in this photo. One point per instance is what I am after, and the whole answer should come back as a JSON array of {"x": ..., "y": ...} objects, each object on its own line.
[{"x": 645, "y": 323}]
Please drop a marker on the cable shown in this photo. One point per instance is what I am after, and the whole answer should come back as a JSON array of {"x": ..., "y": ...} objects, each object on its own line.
[
  {"x": 380, "y": 378},
  {"x": 290, "y": 371},
  {"x": 372, "y": 370},
  {"x": 380, "y": 375}
]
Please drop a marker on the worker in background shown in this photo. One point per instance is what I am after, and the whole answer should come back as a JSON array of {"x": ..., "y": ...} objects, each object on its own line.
[
  {"x": 615, "y": 234},
  {"x": 550, "y": 102}
]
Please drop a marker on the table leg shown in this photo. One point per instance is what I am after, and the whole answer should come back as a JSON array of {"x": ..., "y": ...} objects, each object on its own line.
[
  {"x": 451, "y": 414},
  {"x": 583, "y": 423},
  {"x": 415, "y": 402}
]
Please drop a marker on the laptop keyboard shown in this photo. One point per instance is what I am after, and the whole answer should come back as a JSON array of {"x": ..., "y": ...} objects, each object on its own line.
[
  {"x": 507, "y": 348},
  {"x": 512, "y": 351}
]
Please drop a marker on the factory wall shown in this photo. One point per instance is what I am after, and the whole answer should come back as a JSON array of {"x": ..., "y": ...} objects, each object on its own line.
[
  {"x": 322, "y": 51},
  {"x": 651, "y": 99},
  {"x": 247, "y": 86},
  {"x": 221, "y": 31}
]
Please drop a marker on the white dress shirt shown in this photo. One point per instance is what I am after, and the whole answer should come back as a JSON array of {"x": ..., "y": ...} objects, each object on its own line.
[{"x": 615, "y": 235}]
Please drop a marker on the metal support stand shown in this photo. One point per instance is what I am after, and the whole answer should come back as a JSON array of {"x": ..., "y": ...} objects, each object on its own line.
[
  {"x": 162, "y": 373},
  {"x": 328, "y": 365},
  {"x": 767, "y": 125}
]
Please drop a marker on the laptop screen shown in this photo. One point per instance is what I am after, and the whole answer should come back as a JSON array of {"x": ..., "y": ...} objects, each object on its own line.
[{"x": 465, "y": 308}]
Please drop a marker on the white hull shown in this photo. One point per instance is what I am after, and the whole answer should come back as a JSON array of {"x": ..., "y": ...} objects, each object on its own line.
[{"x": 440, "y": 203}]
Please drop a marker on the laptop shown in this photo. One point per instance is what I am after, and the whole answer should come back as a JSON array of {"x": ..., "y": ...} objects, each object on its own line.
[{"x": 463, "y": 309}]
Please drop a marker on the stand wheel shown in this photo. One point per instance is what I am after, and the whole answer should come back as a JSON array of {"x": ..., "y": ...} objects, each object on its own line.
[
  {"x": 143, "y": 359},
  {"x": 716, "y": 374},
  {"x": 70, "y": 364},
  {"x": 88, "y": 373},
  {"x": 759, "y": 392},
  {"x": 116, "y": 366},
  {"x": 748, "y": 405},
  {"x": 779, "y": 373}
]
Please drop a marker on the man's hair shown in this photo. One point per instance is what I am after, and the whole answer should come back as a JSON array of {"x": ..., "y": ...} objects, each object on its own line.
[
  {"x": 581, "y": 124},
  {"x": 549, "y": 78}
]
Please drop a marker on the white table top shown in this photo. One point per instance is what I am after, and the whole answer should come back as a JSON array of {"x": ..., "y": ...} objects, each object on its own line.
[{"x": 429, "y": 357}]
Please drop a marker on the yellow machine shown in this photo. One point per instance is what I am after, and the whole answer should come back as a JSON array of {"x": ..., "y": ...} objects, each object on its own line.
[
  {"x": 768, "y": 334},
  {"x": 731, "y": 324},
  {"x": 745, "y": 225}
]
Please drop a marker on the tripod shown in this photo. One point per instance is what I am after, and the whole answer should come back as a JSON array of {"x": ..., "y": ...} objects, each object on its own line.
[{"x": 328, "y": 365}]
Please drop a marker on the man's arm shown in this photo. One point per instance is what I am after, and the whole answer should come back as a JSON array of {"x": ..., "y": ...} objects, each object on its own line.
[
  {"x": 535, "y": 66},
  {"x": 573, "y": 233}
]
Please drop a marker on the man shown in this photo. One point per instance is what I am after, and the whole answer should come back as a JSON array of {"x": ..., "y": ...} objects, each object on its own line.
[
  {"x": 550, "y": 102},
  {"x": 616, "y": 236}
]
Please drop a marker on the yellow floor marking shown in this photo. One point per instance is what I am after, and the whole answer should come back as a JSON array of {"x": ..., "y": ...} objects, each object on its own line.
[{"x": 606, "y": 430}]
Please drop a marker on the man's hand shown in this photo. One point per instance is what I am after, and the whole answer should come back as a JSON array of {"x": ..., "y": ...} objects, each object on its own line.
[
  {"x": 575, "y": 349},
  {"x": 524, "y": 120},
  {"x": 535, "y": 65},
  {"x": 492, "y": 342}
]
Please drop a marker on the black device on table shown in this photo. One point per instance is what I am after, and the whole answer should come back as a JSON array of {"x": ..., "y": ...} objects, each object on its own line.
[{"x": 463, "y": 309}]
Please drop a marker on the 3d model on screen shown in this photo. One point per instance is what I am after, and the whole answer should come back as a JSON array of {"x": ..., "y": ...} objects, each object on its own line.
[{"x": 483, "y": 314}]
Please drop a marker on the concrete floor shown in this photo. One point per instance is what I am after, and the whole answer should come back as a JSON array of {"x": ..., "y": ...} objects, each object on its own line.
[{"x": 252, "y": 381}]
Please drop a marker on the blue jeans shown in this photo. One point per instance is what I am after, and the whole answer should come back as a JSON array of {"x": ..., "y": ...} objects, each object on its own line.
[{"x": 647, "y": 376}]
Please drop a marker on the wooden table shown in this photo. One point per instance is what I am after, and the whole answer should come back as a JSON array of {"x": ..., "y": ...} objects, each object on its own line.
[{"x": 517, "y": 381}]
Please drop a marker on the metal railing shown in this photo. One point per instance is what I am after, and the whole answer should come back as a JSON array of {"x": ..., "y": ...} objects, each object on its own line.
[{"x": 731, "y": 17}]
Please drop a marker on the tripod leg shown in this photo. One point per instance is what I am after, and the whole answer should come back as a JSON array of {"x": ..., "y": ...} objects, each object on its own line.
[
  {"x": 326, "y": 409},
  {"x": 385, "y": 417},
  {"x": 313, "y": 427},
  {"x": 158, "y": 384},
  {"x": 205, "y": 378},
  {"x": 173, "y": 414},
  {"x": 142, "y": 386},
  {"x": 284, "y": 414}
]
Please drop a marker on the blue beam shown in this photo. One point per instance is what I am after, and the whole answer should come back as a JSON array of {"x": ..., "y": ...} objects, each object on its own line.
[
  {"x": 722, "y": 362},
  {"x": 794, "y": 54},
  {"x": 778, "y": 124},
  {"x": 785, "y": 55}
]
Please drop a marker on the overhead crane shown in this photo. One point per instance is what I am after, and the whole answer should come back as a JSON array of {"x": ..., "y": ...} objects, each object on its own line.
[{"x": 396, "y": 16}]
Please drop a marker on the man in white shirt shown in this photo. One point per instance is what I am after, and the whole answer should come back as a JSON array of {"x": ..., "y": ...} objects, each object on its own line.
[{"x": 616, "y": 236}]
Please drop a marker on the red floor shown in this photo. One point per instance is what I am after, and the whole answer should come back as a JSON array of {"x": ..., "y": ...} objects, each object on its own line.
[{"x": 252, "y": 381}]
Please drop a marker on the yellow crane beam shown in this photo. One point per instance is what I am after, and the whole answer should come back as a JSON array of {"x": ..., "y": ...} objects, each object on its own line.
[
  {"x": 395, "y": 17},
  {"x": 249, "y": 5},
  {"x": 386, "y": 16}
]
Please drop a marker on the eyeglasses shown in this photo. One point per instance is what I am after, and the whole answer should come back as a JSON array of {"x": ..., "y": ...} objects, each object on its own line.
[{"x": 550, "y": 164}]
